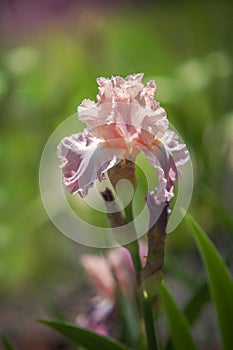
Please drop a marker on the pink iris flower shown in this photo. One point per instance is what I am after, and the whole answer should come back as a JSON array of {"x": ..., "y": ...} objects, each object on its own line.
[
  {"x": 106, "y": 273},
  {"x": 125, "y": 120}
]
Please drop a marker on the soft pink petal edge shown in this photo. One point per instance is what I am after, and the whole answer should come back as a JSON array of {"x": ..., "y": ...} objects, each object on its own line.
[{"x": 84, "y": 159}]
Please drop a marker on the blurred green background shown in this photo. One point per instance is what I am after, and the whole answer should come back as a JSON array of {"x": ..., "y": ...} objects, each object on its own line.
[{"x": 49, "y": 63}]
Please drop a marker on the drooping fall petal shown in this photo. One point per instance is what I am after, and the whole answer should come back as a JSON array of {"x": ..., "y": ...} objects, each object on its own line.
[{"x": 84, "y": 159}]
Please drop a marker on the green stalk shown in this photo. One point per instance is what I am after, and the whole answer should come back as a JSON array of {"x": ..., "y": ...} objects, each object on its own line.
[
  {"x": 152, "y": 343},
  {"x": 145, "y": 301},
  {"x": 133, "y": 247},
  {"x": 152, "y": 274}
]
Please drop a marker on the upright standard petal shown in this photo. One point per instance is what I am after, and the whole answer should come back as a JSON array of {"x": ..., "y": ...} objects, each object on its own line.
[
  {"x": 118, "y": 89},
  {"x": 95, "y": 115}
]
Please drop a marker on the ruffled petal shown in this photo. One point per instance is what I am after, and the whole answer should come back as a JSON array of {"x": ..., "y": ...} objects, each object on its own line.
[
  {"x": 147, "y": 94},
  {"x": 118, "y": 89},
  {"x": 158, "y": 218},
  {"x": 127, "y": 120},
  {"x": 166, "y": 154},
  {"x": 155, "y": 121},
  {"x": 85, "y": 158},
  {"x": 96, "y": 115},
  {"x": 105, "y": 90},
  {"x": 164, "y": 191},
  {"x": 134, "y": 86},
  {"x": 159, "y": 157},
  {"x": 177, "y": 150},
  {"x": 87, "y": 111},
  {"x": 141, "y": 118},
  {"x": 134, "y": 77},
  {"x": 127, "y": 103}
]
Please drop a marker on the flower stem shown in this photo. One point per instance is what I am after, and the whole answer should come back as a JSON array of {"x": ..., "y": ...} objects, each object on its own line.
[
  {"x": 133, "y": 247},
  {"x": 145, "y": 300},
  {"x": 152, "y": 343},
  {"x": 129, "y": 213}
]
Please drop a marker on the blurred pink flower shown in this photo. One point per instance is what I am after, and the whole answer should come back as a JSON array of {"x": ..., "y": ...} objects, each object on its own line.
[
  {"x": 98, "y": 317},
  {"x": 106, "y": 273},
  {"x": 116, "y": 267},
  {"x": 125, "y": 121},
  {"x": 99, "y": 274}
]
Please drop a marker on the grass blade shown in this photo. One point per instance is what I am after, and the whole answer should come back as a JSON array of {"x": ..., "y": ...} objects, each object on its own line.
[
  {"x": 6, "y": 344},
  {"x": 84, "y": 337},
  {"x": 179, "y": 326},
  {"x": 220, "y": 282}
]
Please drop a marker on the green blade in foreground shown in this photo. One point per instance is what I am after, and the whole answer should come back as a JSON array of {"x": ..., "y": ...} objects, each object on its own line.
[
  {"x": 220, "y": 282},
  {"x": 6, "y": 344},
  {"x": 84, "y": 337},
  {"x": 179, "y": 326}
]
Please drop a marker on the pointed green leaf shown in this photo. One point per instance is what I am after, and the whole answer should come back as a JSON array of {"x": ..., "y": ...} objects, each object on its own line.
[
  {"x": 6, "y": 344},
  {"x": 179, "y": 327},
  {"x": 199, "y": 298},
  {"x": 220, "y": 282},
  {"x": 84, "y": 337},
  {"x": 130, "y": 321},
  {"x": 193, "y": 308}
]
